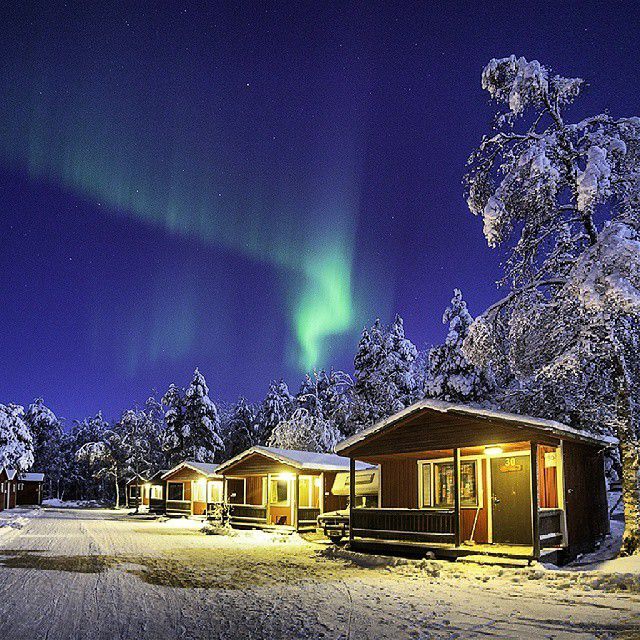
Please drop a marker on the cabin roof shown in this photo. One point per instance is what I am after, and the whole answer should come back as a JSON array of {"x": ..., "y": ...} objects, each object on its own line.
[
  {"x": 552, "y": 427},
  {"x": 205, "y": 468},
  {"x": 31, "y": 477},
  {"x": 304, "y": 460},
  {"x": 158, "y": 475},
  {"x": 11, "y": 473}
]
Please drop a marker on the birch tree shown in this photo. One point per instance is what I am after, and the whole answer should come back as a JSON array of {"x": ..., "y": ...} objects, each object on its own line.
[{"x": 562, "y": 199}]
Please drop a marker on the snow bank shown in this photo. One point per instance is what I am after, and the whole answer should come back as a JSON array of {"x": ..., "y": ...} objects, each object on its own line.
[{"x": 71, "y": 504}]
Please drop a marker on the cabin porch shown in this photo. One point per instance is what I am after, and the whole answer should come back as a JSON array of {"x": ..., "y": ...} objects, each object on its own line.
[
  {"x": 498, "y": 499},
  {"x": 284, "y": 500}
]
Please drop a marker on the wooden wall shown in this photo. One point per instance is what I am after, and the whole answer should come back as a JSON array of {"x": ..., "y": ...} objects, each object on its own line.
[
  {"x": 585, "y": 496},
  {"x": 256, "y": 464},
  {"x": 399, "y": 480},
  {"x": 254, "y": 490},
  {"x": 331, "y": 502}
]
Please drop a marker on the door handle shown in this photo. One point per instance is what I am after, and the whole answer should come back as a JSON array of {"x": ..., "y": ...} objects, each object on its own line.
[{"x": 495, "y": 499}]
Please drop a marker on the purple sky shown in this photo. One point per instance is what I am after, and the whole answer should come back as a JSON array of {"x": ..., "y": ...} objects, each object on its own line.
[{"x": 243, "y": 190}]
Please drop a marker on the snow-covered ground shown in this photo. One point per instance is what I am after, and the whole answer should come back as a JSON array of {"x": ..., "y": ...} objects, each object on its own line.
[{"x": 102, "y": 574}]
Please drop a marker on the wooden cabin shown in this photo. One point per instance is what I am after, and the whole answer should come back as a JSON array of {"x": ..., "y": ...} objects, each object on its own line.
[
  {"x": 29, "y": 488},
  {"x": 459, "y": 480},
  {"x": 190, "y": 487},
  {"x": 157, "y": 494},
  {"x": 270, "y": 487},
  {"x": 138, "y": 489}
]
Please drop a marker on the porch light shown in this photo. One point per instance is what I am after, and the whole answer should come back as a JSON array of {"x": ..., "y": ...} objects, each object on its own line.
[
  {"x": 286, "y": 476},
  {"x": 492, "y": 451}
]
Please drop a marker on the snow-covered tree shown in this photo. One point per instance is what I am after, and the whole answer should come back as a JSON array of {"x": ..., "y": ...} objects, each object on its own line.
[
  {"x": 16, "y": 443},
  {"x": 172, "y": 439},
  {"x": 108, "y": 455},
  {"x": 305, "y": 432},
  {"x": 276, "y": 408},
  {"x": 201, "y": 430},
  {"x": 385, "y": 380},
  {"x": 240, "y": 428},
  {"x": 564, "y": 199},
  {"x": 451, "y": 376},
  {"x": 327, "y": 396},
  {"x": 46, "y": 431}
]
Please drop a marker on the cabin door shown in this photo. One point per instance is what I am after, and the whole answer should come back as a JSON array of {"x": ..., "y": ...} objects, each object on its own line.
[{"x": 511, "y": 500}]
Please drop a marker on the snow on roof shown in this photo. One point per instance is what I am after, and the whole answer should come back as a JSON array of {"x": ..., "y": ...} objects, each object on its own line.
[
  {"x": 542, "y": 424},
  {"x": 206, "y": 468},
  {"x": 31, "y": 477},
  {"x": 11, "y": 473},
  {"x": 298, "y": 459},
  {"x": 158, "y": 474}
]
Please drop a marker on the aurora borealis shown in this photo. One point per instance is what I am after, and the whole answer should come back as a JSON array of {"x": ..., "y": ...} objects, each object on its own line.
[{"x": 241, "y": 187}]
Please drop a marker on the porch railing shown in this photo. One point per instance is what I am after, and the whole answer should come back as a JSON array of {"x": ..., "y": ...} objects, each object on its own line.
[
  {"x": 417, "y": 525},
  {"x": 156, "y": 505},
  {"x": 179, "y": 507},
  {"x": 248, "y": 514},
  {"x": 308, "y": 516},
  {"x": 551, "y": 527}
]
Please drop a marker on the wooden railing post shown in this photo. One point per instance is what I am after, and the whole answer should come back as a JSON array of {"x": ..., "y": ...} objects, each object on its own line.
[
  {"x": 535, "y": 511},
  {"x": 352, "y": 494},
  {"x": 456, "y": 496}
]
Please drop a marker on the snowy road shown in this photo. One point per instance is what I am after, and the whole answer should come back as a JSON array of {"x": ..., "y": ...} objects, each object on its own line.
[{"x": 97, "y": 574}]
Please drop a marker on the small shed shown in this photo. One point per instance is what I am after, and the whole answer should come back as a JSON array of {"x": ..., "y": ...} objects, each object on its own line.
[
  {"x": 29, "y": 488},
  {"x": 190, "y": 487},
  {"x": 271, "y": 487},
  {"x": 137, "y": 491},
  {"x": 502, "y": 483}
]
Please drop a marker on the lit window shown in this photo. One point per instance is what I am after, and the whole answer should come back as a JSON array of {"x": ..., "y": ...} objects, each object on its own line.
[
  {"x": 175, "y": 491},
  {"x": 156, "y": 492},
  {"x": 443, "y": 485},
  {"x": 425, "y": 487},
  {"x": 215, "y": 491},
  {"x": 307, "y": 497},
  {"x": 279, "y": 492},
  {"x": 199, "y": 491}
]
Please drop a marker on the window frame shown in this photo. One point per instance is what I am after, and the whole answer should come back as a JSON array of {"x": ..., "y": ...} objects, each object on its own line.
[
  {"x": 169, "y": 492},
  {"x": 152, "y": 489},
  {"x": 287, "y": 482},
  {"x": 312, "y": 487},
  {"x": 219, "y": 487},
  {"x": 431, "y": 463}
]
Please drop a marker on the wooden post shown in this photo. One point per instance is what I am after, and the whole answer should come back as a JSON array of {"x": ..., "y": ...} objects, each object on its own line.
[
  {"x": 352, "y": 495},
  {"x": 456, "y": 496},
  {"x": 295, "y": 501},
  {"x": 535, "y": 512}
]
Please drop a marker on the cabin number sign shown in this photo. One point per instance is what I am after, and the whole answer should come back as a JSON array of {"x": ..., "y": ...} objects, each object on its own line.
[{"x": 510, "y": 465}]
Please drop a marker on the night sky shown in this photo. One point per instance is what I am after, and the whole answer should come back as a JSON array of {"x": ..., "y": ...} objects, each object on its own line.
[{"x": 243, "y": 189}]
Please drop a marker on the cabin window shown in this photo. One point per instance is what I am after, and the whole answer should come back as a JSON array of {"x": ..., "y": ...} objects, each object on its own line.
[
  {"x": 425, "y": 484},
  {"x": 175, "y": 491},
  {"x": 215, "y": 492},
  {"x": 307, "y": 497},
  {"x": 279, "y": 492},
  {"x": 156, "y": 492},
  {"x": 20, "y": 486},
  {"x": 133, "y": 491},
  {"x": 199, "y": 491},
  {"x": 443, "y": 484}
]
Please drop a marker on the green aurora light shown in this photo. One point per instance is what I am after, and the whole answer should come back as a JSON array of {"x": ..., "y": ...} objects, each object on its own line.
[{"x": 167, "y": 160}]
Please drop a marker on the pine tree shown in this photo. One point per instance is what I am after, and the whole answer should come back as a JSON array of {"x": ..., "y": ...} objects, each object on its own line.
[
  {"x": 201, "y": 430},
  {"x": 451, "y": 376},
  {"x": 172, "y": 438},
  {"x": 240, "y": 429},
  {"x": 16, "y": 443},
  {"x": 277, "y": 407},
  {"x": 385, "y": 380}
]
